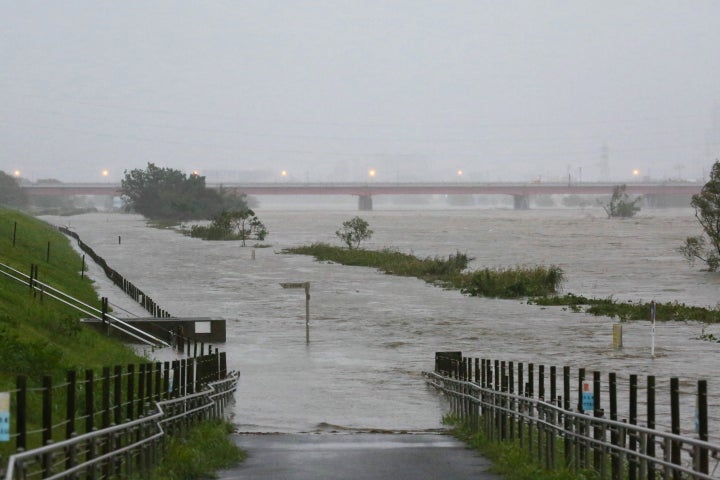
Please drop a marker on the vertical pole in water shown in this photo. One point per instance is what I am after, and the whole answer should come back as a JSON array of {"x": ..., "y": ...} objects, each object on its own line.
[
  {"x": 307, "y": 312},
  {"x": 652, "y": 334}
]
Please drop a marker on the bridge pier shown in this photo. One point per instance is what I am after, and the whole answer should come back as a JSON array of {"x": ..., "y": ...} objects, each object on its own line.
[
  {"x": 365, "y": 203},
  {"x": 521, "y": 202}
]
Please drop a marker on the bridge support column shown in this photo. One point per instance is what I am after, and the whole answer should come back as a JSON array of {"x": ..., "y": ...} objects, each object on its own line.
[
  {"x": 521, "y": 202},
  {"x": 365, "y": 202}
]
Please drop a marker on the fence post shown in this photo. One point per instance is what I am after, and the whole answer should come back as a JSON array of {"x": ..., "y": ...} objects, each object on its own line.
[
  {"x": 598, "y": 460},
  {"x": 70, "y": 407},
  {"x": 106, "y": 397},
  {"x": 650, "y": 446},
  {"x": 89, "y": 404},
  {"x": 117, "y": 395},
  {"x": 566, "y": 406},
  {"x": 21, "y": 420},
  {"x": 581, "y": 449},
  {"x": 46, "y": 409},
  {"x": 176, "y": 377},
  {"x": 511, "y": 390},
  {"x": 141, "y": 389},
  {"x": 632, "y": 414},
  {"x": 190, "y": 375},
  {"x": 675, "y": 422},
  {"x": 130, "y": 391},
  {"x": 530, "y": 393},
  {"x": 89, "y": 419},
  {"x": 158, "y": 381},
  {"x": 166, "y": 382},
  {"x": 615, "y": 437},
  {"x": 702, "y": 426}
]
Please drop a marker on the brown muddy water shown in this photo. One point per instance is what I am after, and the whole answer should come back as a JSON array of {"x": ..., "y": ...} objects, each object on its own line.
[{"x": 373, "y": 334}]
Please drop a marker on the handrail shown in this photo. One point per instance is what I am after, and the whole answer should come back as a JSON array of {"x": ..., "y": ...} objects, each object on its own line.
[
  {"x": 77, "y": 304},
  {"x": 161, "y": 417},
  {"x": 526, "y": 408}
]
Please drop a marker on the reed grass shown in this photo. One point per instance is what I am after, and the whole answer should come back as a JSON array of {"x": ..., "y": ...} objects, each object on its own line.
[
  {"x": 450, "y": 272},
  {"x": 629, "y": 310}
]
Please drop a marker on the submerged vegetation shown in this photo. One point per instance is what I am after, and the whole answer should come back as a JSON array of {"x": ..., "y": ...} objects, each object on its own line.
[
  {"x": 629, "y": 310},
  {"x": 539, "y": 284},
  {"x": 447, "y": 272}
]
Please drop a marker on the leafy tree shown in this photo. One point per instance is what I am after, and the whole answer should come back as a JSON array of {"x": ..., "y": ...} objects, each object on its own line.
[
  {"x": 707, "y": 211},
  {"x": 354, "y": 231},
  {"x": 168, "y": 194},
  {"x": 620, "y": 204},
  {"x": 11, "y": 194},
  {"x": 232, "y": 225}
]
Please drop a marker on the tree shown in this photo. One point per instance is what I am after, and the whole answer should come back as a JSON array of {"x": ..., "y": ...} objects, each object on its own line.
[
  {"x": 246, "y": 225},
  {"x": 11, "y": 194},
  {"x": 707, "y": 211},
  {"x": 354, "y": 231},
  {"x": 620, "y": 204},
  {"x": 168, "y": 194},
  {"x": 240, "y": 224}
]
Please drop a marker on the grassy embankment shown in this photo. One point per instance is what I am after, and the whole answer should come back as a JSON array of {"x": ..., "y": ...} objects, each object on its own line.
[
  {"x": 539, "y": 284},
  {"x": 513, "y": 461},
  {"x": 44, "y": 337}
]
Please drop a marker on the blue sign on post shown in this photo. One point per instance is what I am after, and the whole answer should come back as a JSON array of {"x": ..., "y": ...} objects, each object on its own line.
[
  {"x": 4, "y": 417},
  {"x": 588, "y": 397}
]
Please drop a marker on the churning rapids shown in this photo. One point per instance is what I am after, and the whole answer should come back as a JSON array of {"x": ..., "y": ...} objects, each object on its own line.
[{"x": 373, "y": 334}]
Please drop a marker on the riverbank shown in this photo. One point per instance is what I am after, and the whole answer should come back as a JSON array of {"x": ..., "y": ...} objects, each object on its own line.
[{"x": 30, "y": 327}]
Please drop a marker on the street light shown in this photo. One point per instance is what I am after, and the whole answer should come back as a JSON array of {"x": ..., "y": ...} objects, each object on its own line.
[
  {"x": 16, "y": 173},
  {"x": 372, "y": 173},
  {"x": 306, "y": 286},
  {"x": 105, "y": 173}
]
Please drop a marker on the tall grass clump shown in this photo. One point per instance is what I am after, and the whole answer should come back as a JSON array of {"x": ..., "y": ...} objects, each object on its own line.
[
  {"x": 511, "y": 460},
  {"x": 448, "y": 272},
  {"x": 203, "y": 450},
  {"x": 388, "y": 261},
  {"x": 513, "y": 282},
  {"x": 629, "y": 310}
]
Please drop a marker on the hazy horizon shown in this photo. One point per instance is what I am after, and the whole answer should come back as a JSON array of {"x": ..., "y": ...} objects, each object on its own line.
[{"x": 326, "y": 91}]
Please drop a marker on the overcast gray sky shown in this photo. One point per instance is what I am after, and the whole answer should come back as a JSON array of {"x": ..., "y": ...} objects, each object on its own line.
[{"x": 326, "y": 90}]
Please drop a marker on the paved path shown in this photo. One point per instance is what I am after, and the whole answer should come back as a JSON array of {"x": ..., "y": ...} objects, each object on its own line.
[{"x": 357, "y": 456}]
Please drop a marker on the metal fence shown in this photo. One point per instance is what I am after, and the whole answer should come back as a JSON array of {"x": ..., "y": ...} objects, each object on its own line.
[
  {"x": 120, "y": 450},
  {"x": 557, "y": 435},
  {"x": 112, "y": 424}
]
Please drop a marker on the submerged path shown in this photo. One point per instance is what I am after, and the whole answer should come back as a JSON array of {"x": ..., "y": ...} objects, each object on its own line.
[{"x": 357, "y": 456}]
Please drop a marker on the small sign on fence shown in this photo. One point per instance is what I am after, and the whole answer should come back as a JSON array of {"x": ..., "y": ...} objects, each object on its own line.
[
  {"x": 588, "y": 397},
  {"x": 4, "y": 416}
]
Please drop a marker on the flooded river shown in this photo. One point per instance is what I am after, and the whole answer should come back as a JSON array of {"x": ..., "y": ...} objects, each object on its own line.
[{"x": 373, "y": 334}]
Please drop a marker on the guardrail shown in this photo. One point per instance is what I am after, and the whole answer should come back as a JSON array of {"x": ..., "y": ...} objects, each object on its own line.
[
  {"x": 120, "y": 450},
  {"x": 484, "y": 398},
  {"x": 44, "y": 290},
  {"x": 135, "y": 411}
]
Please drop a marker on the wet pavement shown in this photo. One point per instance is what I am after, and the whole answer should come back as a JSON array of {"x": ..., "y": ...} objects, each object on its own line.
[{"x": 357, "y": 456}]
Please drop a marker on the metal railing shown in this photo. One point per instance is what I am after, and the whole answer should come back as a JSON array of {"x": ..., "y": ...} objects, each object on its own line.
[
  {"x": 119, "y": 450},
  {"x": 559, "y": 437},
  {"x": 43, "y": 289}
]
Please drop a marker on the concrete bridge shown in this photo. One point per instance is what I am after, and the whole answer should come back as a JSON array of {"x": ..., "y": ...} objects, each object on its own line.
[{"x": 520, "y": 192}]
